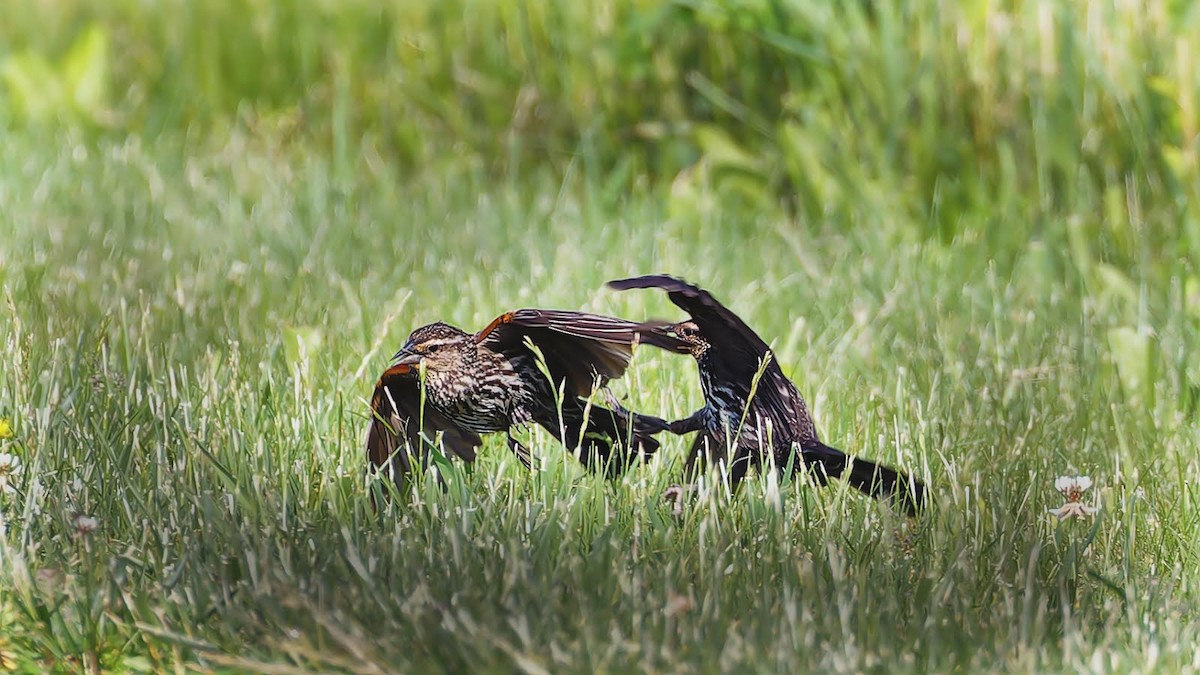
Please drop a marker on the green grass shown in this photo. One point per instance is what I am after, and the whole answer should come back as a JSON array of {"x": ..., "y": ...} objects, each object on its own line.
[
  {"x": 151, "y": 374},
  {"x": 976, "y": 261}
]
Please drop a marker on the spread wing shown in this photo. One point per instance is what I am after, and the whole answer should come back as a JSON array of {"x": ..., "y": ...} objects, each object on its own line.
[
  {"x": 577, "y": 346},
  {"x": 736, "y": 350},
  {"x": 395, "y": 422},
  {"x": 733, "y": 343},
  {"x": 721, "y": 327}
]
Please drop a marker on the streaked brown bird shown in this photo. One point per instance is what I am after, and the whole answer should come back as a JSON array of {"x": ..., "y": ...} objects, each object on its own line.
[
  {"x": 776, "y": 420},
  {"x": 491, "y": 381}
]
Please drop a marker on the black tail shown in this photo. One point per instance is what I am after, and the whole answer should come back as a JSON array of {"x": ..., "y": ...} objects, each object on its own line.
[
  {"x": 606, "y": 440},
  {"x": 872, "y": 479}
]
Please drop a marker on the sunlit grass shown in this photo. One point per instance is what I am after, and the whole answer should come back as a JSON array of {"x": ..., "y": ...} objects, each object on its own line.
[{"x": 149, "y": 383}]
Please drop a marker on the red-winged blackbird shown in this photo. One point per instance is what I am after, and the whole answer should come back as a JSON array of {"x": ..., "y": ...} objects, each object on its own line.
[
  {"x": 491, "y": 381},
  {"x": 730, "y": 355}
]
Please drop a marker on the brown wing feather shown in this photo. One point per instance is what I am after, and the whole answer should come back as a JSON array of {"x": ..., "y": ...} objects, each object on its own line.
[
  {"x": 395, "y": 408},
  {"x": 577, "y": 346}
]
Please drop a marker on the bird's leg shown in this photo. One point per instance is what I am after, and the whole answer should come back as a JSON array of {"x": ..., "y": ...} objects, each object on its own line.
[
  {"x": 742, "y": 461},
  {"x": 648, "y": 423},
  {"x": 520, "y": 451},
  {"x": 700, "y": 456},
  {"x": 694, "y": 422}
]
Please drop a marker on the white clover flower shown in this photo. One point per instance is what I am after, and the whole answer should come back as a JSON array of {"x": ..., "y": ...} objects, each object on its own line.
[
  {"x": 1073, "y": 487},
  {"x": 85, "y": 524},
  {"x": 1073, "y": 510},
  {"x": 10, "y": 467}
]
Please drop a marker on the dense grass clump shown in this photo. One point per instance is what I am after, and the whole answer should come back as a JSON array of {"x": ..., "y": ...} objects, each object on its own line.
[{"x": 968, "y": 231}]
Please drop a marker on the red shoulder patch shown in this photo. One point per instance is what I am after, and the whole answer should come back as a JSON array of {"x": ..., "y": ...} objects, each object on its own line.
[
  {"x": 397, "y": 370},
  {"x": 504, "y": 318}
]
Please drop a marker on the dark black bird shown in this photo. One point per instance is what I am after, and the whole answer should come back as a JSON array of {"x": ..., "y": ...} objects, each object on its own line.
[
  {"x": 491, "y": 381},
  {"x": 729, "y": 355}
]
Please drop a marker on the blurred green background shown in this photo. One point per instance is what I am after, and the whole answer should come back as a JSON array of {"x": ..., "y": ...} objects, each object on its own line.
[{"x": 934, "y": 114}]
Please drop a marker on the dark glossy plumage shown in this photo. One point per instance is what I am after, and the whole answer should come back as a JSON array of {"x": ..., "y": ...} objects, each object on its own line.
[
  {"x": 729, "y": 356},
  {"x": 491, "y": 381}
]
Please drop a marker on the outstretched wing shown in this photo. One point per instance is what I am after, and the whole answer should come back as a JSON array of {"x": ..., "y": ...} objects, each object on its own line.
[
  {"x": 721, "y": 327},
  {"x": 395, "y": 422},
  {"x": 736, "y": 351},
  {"x": 577, "y": 346}
]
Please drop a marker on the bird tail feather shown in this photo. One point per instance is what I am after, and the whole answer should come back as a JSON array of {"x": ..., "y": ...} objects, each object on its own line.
[{"x": 875, "y": 480}]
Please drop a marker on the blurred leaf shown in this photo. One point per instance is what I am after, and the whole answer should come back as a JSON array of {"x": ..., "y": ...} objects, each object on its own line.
[
  {"x": 1167, "y": 92},
  {"x": 138, "y": 664},
  {"x": 1079, "y": 242},
  {"x": 795, "y": 46},
  {"x": 1163, "y": 86},
  {"x": 801, "y": 152},
  {"x": 1116, "y": 216},
  {"x": 78, "y": 87},
  {"x": 301, "y": 343},
  {"x": 751, "y": 188},
  {"x": 85, "y": 71},
  {"x": 691, "y": 199},
  {"x": 33, "y": 86},
  {"x": 1113, "y": 282},
  {"x": 722, "y": 151},
  {"x": 733, "y": 107},
  {"x": 1181, "y": 162},
  {"x": 735, "y": 171},
  {"x": 1131, "y": 351},
  {"x": 1191, "y": 296}
]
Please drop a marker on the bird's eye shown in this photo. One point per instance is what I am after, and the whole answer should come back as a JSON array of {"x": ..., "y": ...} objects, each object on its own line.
[{"x": 432, "y": 348}]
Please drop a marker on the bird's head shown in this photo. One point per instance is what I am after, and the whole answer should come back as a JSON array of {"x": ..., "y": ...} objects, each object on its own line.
[
  {"x": 437, "y": 346},
  {"x": 688, "y": 333}
]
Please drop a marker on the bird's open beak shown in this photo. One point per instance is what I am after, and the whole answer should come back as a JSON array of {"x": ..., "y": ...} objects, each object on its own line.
[
  {"x": 663, "y": 335},
  {"x": 406, "y": 356}
]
